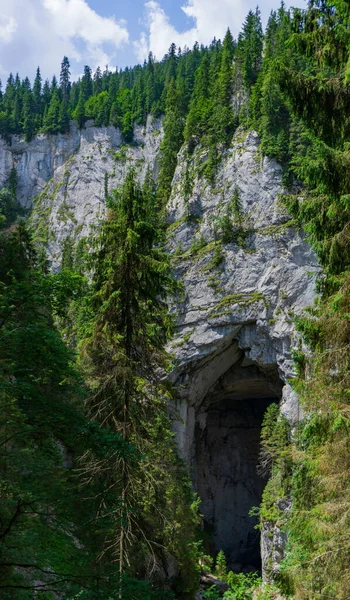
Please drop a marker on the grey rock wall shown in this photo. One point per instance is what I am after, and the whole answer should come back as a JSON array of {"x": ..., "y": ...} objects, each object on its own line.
[
  {"x": 62, "y": 179},
  {"x": 234, "y": 330}
]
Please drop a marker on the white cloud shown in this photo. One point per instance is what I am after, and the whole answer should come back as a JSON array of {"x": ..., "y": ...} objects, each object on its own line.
[
  {"x": 211, "y": 19},
  {"x": 8, "y": 26},
  {"x": 41, "y": 32}
]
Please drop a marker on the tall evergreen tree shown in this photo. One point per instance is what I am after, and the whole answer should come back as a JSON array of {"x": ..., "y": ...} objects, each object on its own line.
[
  {"x": 65, "y": 85},
  {"x": 41, "y": 422},
  {"x": 51, "y": 122},
  {"x": 201, "y": 105},
  {"x": 250, "y": 47},
  {"x": 171, "y": 144},
  {"x": 171, "y": 60},
  {"x": 86, "y": 83},
  {"x": 225, "y": 75},
  {"x": 123, "y": 356},
  {"x": 79, "y": 112},
  {"x": 28, "y": 115},
  {"x": 37, "y": 99},
  {"x": 97, "y": 81}
]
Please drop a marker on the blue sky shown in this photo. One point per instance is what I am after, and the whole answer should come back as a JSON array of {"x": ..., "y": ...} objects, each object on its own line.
[{"x": 113, "y": 32}]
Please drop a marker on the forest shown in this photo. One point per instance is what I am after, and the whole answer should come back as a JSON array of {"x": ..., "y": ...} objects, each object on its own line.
[{"x": 96, "y": 503}]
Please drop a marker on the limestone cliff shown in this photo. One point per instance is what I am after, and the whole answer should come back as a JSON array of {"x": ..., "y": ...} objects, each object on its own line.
[
  {"x": 234, "y": 315},
  {"x": 63, "y": 179}
]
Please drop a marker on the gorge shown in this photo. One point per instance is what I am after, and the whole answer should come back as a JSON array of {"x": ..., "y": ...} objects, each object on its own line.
[{"x": 174, "y": 321}]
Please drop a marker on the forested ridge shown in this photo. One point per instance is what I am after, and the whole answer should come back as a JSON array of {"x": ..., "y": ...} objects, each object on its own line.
[{"x": 94, "y": 501}]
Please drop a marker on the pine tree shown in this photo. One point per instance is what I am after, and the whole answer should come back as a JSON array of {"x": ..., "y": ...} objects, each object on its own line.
[
  {"x": 54, "y": 85},
  {"x": 150, "y": 90},
  {"x": 138, "y": 99},
  {"x": 40, "y": 415},
  {"x": 65, "y": 88},
  {"x": 46, "y": 95}
]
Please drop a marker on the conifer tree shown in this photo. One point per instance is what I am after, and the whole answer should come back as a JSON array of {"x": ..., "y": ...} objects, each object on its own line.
[
  {"x": 150, "y": 89},
  {"x": 97, "y": 82},
  {"x": 64, "y": 117},
  {"x": 79, "y": 112},
  {"x": 171, "y": 64},
  {"x": 54, "y": 85},
  {"x": 86, "y": 83},
  {"x": 123, "y": 357},
  {"x": 28, "y": 115},
  {"x": 46, "y": 95},
  {"x": 201, "y": 104},
  {"x": 221, "y": 565},
  {"x": 51, "y": 122},
  {"x": 65, "y": 85},
  {"x": 225, "y": 74},
  {"x": 41, "y": 420},
  {"x": 173, "y": 137},
  {"x": 250, "y": 47},
  {"x": 138, "y": 99},
  {"x": 37, "y": 99}
]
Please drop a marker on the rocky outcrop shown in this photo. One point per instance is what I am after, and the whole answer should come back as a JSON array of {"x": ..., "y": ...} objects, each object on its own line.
[
  {"x": 63, "y": 179},
  {"x": 245, "y": 271}
]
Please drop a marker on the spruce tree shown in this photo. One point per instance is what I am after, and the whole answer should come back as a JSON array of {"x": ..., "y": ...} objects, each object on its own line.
[
  {"x": 37, "y": 99},
  {"x": 123, "y": 357},
  {"x": 28, "y": 115},
  {"x": 171, "y": 144},
  {"x": 65, "y": 84},
  {"x": 64, "y": 117},
  {"x": 46, "y": 95},
  {"x": 79, "y": 112},
  {"x": 44, "y": 434},
  {"x": 97, "y": 82},
  {"x": 86, "y": 83},
  {"x": 225, "y": 74},
  {"x": 201, "y": 104},
  {"x": 250, "y": 47},
  {"x": 51, "y": 122}
]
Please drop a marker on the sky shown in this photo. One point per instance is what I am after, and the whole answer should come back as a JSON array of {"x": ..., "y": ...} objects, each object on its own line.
[{"x": 117, "y": 33}]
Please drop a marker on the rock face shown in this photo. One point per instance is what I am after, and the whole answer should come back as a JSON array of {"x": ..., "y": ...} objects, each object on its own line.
[
  {"x": 245, "y": 271},
  {"x": 64, "y": 179},
  {"x": 234, "y": 332}
]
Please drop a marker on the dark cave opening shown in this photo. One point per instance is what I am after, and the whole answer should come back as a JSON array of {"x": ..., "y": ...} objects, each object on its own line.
[{"x": 227, "y": 447}]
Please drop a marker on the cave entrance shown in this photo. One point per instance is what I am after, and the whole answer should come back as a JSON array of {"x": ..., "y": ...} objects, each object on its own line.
[{"x": 227, "y": 446}]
